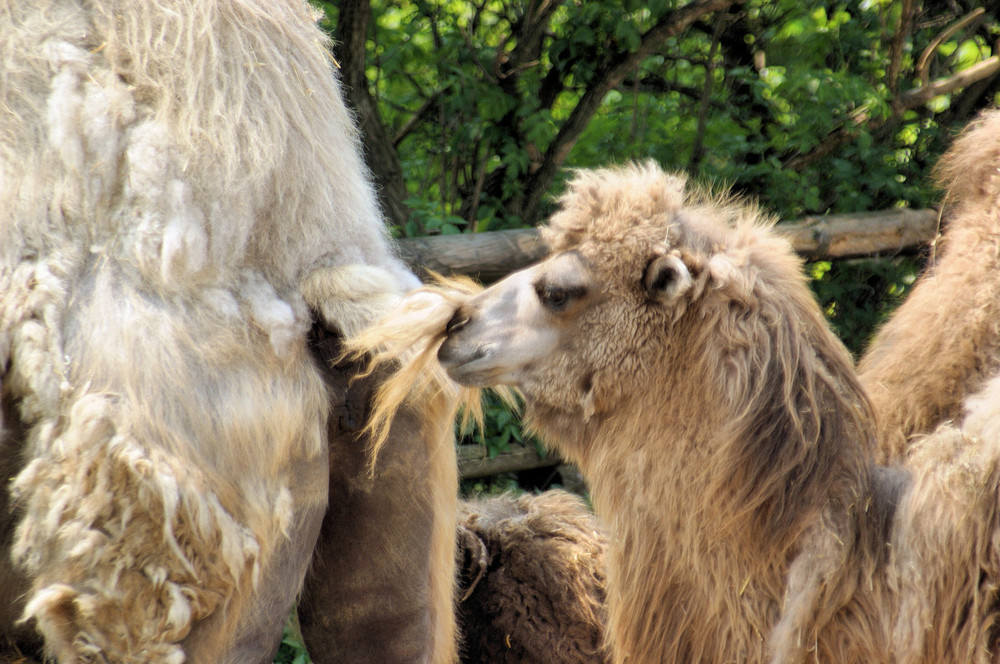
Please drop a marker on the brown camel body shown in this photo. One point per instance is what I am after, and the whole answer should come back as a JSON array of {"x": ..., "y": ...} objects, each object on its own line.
[
  {"x": 943, "y": 343},
  {"x": 532, "y": 581},
  {"x": 370, "y": 592}
]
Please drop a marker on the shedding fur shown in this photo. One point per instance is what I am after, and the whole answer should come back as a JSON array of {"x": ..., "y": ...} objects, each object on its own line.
[
  {"x": 937, "y": 349},
  {"x": 728, "y": 443},
  {"x": 181, "y": 187},
  {"x": 407, "y": 339}
]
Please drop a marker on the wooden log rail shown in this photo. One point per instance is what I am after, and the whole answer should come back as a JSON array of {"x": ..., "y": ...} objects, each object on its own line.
[
  {"x": 474, "y": 462},
  {"x": 492, "y": 255}
]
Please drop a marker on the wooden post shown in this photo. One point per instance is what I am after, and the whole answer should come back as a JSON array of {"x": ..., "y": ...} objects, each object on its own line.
[{"x": 473, "y": 461}]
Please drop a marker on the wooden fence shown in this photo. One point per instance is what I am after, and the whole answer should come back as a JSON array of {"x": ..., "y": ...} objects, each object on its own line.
[{"x": 492, "y": 255}]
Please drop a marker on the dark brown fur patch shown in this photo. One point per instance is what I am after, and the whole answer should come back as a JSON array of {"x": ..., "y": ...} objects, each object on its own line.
[
  {"x": 365, "y": 597},
  {"x": 539, "y": 599}
]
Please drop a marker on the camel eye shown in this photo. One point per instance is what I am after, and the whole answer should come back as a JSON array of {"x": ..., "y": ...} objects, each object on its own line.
[
  {"x": 558, "y": 298},
  {"x": 555, "y": 299}
]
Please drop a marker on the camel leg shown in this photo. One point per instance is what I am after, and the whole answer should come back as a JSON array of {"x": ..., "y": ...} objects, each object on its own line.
[
  {"x": 253, "y": 625},
  {"x": 379, "y": 589},
  {"x": 258, "y": 633}
]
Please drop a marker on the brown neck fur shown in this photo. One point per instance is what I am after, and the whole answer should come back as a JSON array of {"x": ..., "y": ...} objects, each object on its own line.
[{"x": 720, "y": 495}]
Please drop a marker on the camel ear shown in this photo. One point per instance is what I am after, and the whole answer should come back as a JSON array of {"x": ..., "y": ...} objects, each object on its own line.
[
  {"x": 666, "y": 278},
  {"x": 727, "y": 276}
]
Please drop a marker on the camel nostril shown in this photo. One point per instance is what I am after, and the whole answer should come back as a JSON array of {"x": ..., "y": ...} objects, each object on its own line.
[{"x": 457, "y": 322}]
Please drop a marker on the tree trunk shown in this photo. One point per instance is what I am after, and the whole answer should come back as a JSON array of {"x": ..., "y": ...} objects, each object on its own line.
[{"x": 353, "y": 19}]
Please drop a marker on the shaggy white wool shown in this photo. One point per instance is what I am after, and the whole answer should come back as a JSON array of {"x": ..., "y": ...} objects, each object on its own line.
[
  {"x": 170, "y": 171},
  {"x": 352, "y": 297}
]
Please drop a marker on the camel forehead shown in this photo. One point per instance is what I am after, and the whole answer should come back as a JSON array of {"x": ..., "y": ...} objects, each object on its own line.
[
  {"x": 620, "y": 216},
  {"x": 622, "y": 262},
  {"x": 621, "y": 252},
  {"x": 610, "y": 206}
]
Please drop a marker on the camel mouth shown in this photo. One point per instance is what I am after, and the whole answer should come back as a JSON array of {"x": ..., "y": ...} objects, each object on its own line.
[{"x": 469, "y": 368}]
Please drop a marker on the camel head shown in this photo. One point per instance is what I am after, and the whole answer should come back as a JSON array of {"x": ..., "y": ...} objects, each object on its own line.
[
  {"x": 632, "y": 254},
  {"x": 564, "y": 322},
  {"x": 661, "y": 313}
]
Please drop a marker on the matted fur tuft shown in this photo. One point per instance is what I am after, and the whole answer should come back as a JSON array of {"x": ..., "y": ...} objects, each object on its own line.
[{"x": 407, "y": 340}]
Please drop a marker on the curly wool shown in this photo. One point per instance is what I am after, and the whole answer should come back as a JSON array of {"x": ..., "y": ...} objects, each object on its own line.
[
  {"x": 533, "y": 584},
  {"x": 169, "y": 173}
]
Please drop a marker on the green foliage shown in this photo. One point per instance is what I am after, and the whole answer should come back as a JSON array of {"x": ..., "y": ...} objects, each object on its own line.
[
  {"x": 800, "y": 111},
  {"x": 501, "y": 427},
  {"x": 858, "y": 295},
  {"x": 427, "y": 218},
  {"x": 292, "y": 650},
  {"x": 821, "y": 70}
]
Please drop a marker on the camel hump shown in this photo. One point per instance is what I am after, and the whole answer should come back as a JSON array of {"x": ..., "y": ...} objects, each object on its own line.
[{"x": 970, "y": 171}]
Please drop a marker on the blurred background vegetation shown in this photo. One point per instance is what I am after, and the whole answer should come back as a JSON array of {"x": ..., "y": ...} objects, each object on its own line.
[{"x": 472, "y": 112}]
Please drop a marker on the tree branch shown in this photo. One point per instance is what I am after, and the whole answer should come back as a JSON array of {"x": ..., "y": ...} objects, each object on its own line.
[
  {"x": 923, "y": 63},
  {"x": 495, "y": 254},
  {"x": 670, "y": 25},
  {"x": 421, "y": 114},
  {"x": 911, "y": 99},
  {"x": 530, "y": 30},
  {"x": 977, "y": 72},
  {"x": 697, "y": 150},
  {"x": 896, "y": 47}
]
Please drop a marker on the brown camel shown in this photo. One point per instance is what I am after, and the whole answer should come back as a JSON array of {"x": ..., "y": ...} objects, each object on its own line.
[
  {"x": 943, "y": 343},
  {"x": 670, "y": 347}
]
